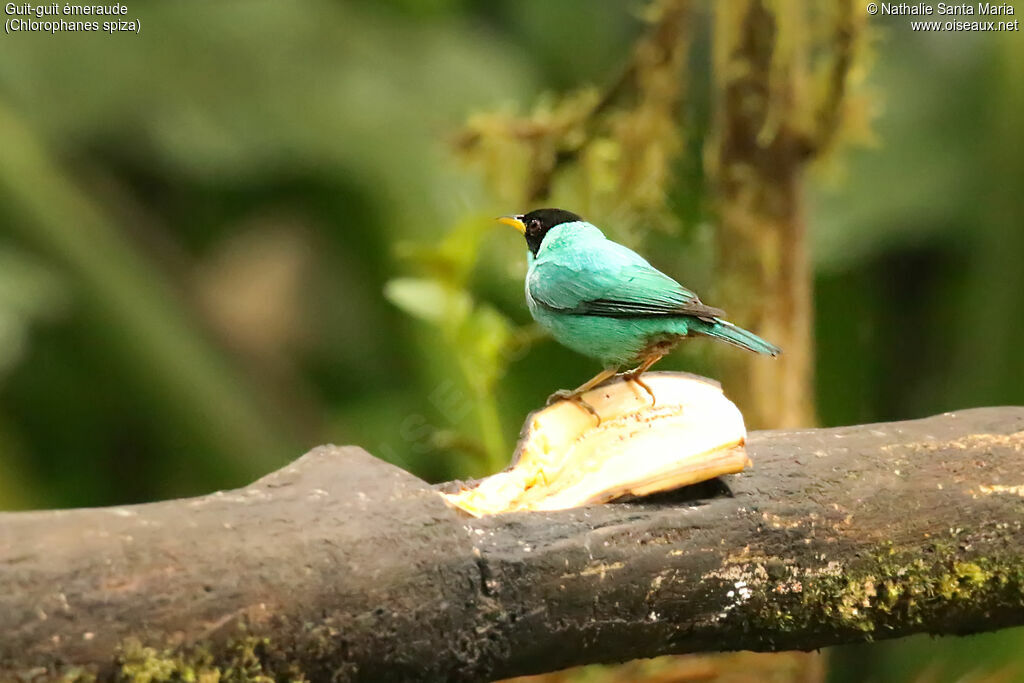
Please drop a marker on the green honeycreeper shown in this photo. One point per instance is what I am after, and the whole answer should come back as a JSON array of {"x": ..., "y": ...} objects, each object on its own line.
[{"x": 607, "y": 302}]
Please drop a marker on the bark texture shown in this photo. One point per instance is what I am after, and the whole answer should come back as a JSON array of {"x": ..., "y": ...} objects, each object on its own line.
[{"x": 342, "y": 567}]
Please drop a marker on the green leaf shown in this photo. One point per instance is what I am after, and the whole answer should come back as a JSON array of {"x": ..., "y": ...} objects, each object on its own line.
[{"x": 430, "y": 300}]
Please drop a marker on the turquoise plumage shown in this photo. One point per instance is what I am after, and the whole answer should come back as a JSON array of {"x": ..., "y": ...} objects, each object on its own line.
[{"x": 607, "y": 302}]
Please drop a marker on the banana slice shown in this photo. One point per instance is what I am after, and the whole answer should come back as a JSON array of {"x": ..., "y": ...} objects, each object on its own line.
[{"x": 565, "y": 459}]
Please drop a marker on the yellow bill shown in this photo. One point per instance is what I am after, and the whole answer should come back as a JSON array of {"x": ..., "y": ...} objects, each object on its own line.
[{"x": 515, "y": 221}]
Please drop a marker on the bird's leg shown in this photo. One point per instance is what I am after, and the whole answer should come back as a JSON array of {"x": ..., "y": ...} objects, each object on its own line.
[
  {"x": 634, "y": 375},
  {"x": 575, "y": 394}
]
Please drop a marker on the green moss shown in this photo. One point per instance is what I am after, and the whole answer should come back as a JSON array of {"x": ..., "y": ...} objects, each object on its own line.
[
  {"x": 883, "y": 594},
  {"x": 244, "y": 660},
  {"x": 76, "y": 675}
]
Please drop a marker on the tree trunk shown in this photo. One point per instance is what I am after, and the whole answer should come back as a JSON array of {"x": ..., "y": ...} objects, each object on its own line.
[
  {"x": 771, "y": 119},
  {"x": 762, "y": 252}
]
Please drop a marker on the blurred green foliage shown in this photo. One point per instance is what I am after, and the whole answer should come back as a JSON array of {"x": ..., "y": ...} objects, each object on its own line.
[
  {"x": 478, "y": 340},
  {"x": 247, "y": 231}
]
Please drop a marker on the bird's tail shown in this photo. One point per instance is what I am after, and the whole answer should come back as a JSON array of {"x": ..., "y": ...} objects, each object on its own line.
[{"x": 735, "y": 335}]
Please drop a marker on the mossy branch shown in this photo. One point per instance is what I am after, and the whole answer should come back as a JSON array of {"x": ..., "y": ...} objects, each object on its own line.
[
  {"x": 342, "y": 567},
  {"x": 638, "y": 108}
]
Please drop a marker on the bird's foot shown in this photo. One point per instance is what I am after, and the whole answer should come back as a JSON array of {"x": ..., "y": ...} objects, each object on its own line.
[
  {"x": 560, "y": 395},
  {"x": 634, "y": 374},
  {"x": 634, "y": 377},
  {"x": 574, "y": 397}
]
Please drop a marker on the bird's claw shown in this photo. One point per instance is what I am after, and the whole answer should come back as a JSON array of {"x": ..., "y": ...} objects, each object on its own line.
[
  {"x": 560, "y": 395},
  {"x": 573, "y": 397},
  {"x": 634, "y": 377}
]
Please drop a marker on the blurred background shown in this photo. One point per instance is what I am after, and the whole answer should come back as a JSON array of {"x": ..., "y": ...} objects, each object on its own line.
[{"x": 257, "y": 227}]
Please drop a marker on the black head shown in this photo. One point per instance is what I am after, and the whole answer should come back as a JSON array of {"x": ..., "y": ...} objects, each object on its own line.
[{"x": 538, "y": 222}]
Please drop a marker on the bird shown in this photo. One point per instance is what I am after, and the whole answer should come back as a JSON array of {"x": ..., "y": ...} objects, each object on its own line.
[{"x": 605, "y": 301}]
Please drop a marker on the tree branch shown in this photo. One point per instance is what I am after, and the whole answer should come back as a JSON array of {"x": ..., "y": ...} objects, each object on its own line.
[{"x": 344, "y": 567}]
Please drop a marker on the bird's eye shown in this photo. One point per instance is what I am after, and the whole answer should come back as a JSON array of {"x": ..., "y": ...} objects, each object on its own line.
[{"x": 535, "y": 225}]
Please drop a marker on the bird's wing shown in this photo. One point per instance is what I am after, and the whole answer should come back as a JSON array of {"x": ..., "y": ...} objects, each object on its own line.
[{"x": 609, "y": 280}]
